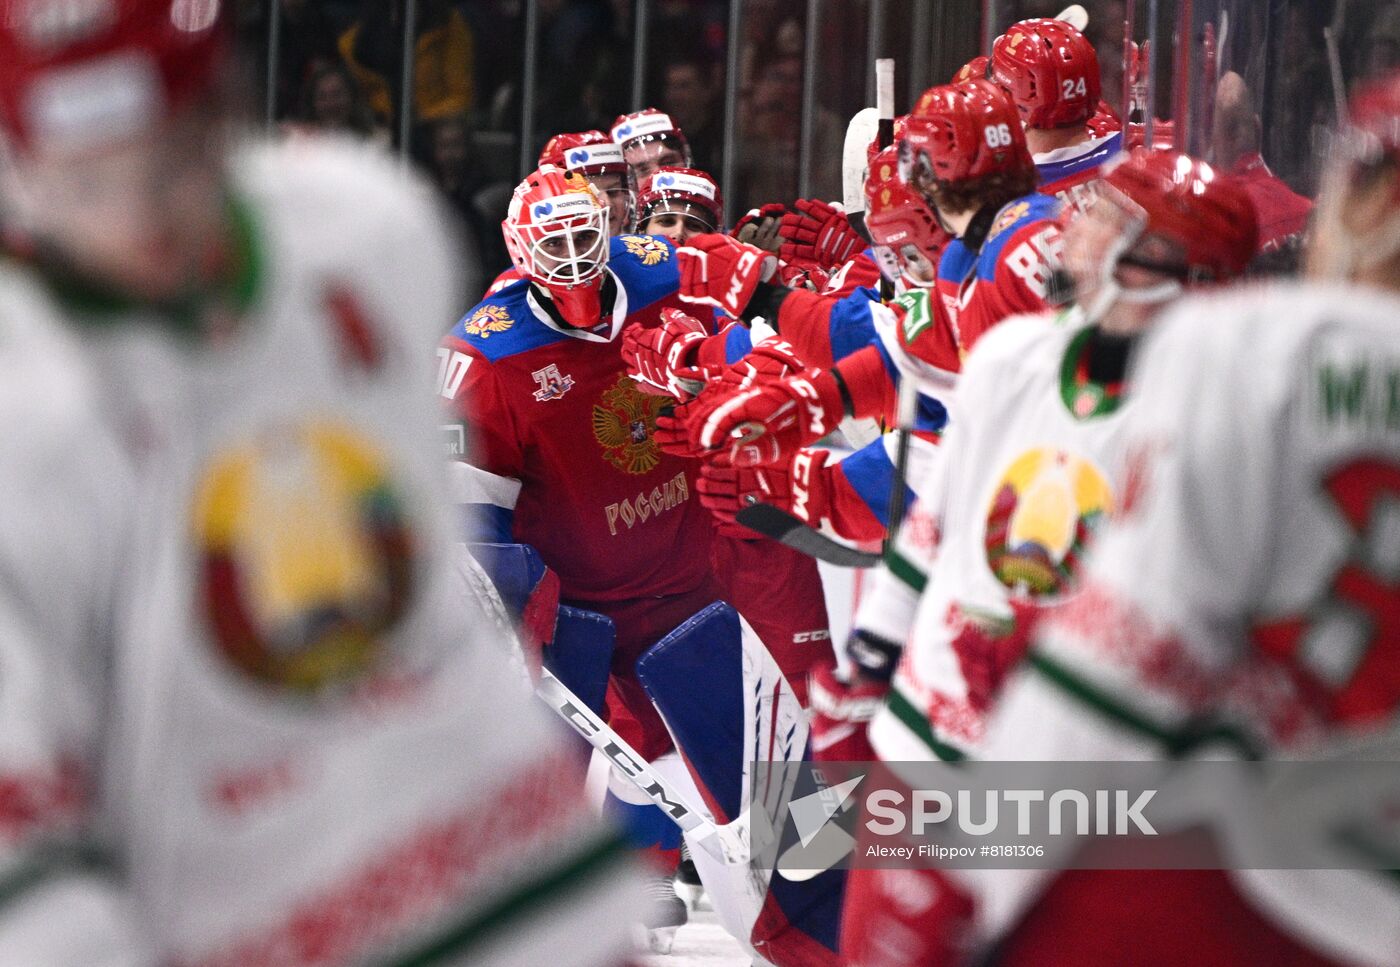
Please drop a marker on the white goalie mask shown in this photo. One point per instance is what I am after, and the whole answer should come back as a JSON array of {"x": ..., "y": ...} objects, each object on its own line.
[{"x": 556, "y": 229}]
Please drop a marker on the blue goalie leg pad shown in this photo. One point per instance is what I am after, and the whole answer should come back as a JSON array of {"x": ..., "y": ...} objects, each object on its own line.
[
  {"x": 643, "y": 824},
  {"x": 727, "y": 706},
  {"x": 581, "y": 652},
  {"x": 515, "y": 569}
]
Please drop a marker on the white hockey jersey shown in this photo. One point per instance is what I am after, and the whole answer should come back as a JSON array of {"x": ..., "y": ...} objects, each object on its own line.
[
  {"x": 1024, "y": 480},
  {"x": 296, "y": 741},
  {"x": 1249, "y": 579}
]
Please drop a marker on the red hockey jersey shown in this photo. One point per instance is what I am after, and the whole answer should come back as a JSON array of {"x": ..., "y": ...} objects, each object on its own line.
[
  {"x": 562, "y": 454},
  {"x": 1007, "y": 275}
]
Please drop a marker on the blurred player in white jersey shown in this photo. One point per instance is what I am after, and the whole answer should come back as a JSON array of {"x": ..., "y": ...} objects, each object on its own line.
[
  {"x": 1023, "y": 483},
  {"x": 250, "y": 713},
  {"x": 1246, "y": 582}
]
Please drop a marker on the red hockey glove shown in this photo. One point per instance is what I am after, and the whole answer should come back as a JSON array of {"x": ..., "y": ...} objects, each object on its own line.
[
  {"x": 801, "y": 488},
  {"x": 803, "y": 275},
  {"x": 663, "y": 358},
  {"x": 678, "y": 432},
  {"x": 768, "y": 360},
  {"x": 841, "y": 714},
  {"x": 769, "y": 422},
  {"x": 718, "y": 271},
  {"x": 818, "y": 232}
]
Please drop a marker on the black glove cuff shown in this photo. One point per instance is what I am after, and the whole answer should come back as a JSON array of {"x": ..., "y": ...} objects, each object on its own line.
[
  {"x": 848, "y": 404},
  {"x": 767, "y": 299},
  {"x": 876, "y": 657}
]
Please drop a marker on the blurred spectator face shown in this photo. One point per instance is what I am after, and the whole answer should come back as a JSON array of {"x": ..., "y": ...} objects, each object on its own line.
[
  {"x": 644, "y": 157},
  {"x": 788, "y": 39},
  {"x": 450, "y": 147},
  {"x": 614, "y": 189},
  {"x": 144, "y": 215},
  {"x": 686, "y": 95},
  {"x": 332, "y": 100}
]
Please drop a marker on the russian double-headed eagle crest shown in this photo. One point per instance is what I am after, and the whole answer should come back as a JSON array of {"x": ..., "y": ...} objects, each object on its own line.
[
  {"x": 488, "y": 319},
  {"x": 624, "y": 423},
  {"x": 651, "y": 250}
]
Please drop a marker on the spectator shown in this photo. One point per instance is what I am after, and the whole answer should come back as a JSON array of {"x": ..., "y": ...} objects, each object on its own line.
[
  {"x": 307, "y": 42},
  {"x": 332, "y": 102},
  {"x": 453, "y": 166},
  {"x": 442, "y": 66},
  {"x": 688, "y": 97}
]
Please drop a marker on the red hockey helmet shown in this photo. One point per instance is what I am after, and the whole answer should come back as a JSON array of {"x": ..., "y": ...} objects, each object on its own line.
[
  {"x": 649, "y": 139},
  {"x": 972, "y": 70},
  {"x": 591, "y": 152},
  {"x": 75, "y": 73},
  {"x": 686, "y": 191},
  {"x": 1050, "y": 70},
  {"x": 556, "y": 232},
  {"x": 959, "y": 132},
  {"x": 897, "y": 217},
  {"x": 1208, "y": 215}
]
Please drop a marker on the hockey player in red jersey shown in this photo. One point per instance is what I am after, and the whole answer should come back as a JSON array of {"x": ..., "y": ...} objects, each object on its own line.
[
  {"x": 1052, "y": 73},
  {"x": 650, "y": 139},
  {"x": 964, "y": 152},
  {"x": 565, "y": 453},
  {"x": 566, "y": 436},
  {"x": 677, "y": 203}
]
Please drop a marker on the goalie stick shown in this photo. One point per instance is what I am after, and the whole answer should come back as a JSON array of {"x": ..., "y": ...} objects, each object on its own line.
[{"x": 728, "y": 844}]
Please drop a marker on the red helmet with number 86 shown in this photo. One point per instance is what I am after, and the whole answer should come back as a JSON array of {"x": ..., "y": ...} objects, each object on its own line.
[{"x": 960, "y": 132}]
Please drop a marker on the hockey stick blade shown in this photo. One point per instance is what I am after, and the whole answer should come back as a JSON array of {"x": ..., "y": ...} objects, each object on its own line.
[
  {"x": 1075, "y": 15},
  {"x": 778, "y": 524}
]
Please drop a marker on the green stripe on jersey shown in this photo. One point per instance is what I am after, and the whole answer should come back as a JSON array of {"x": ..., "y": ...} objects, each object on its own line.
[
  {"x": 916, "y": 722},
  {"x": 906, "y": 570},
  {"x": 553, "y": 885},
  {"x": 1175, "y": 741},
  {"x": 48, "y": 863}
]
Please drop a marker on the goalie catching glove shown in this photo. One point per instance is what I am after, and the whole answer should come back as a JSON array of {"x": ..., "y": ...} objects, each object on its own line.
[{"x": 819, "y": 233}]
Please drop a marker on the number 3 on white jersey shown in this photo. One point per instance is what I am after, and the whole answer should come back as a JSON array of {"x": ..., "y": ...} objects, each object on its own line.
[{"x": 452, "y": 369}]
